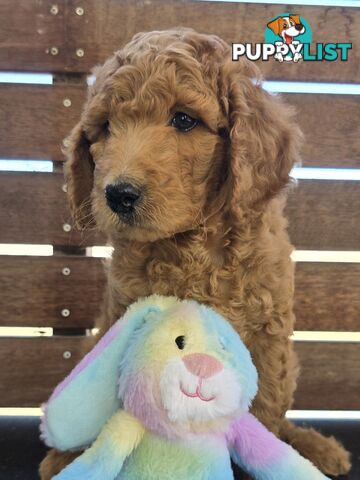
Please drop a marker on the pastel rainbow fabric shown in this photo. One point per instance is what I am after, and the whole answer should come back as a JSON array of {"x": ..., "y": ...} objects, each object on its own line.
[{"x": 123, "y": 403}]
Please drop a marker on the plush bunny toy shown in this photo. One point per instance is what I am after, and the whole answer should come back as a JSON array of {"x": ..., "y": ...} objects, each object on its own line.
[{"x": 165, "y": 395}]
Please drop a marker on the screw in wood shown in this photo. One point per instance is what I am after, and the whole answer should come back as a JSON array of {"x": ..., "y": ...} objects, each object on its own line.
[
  {"x": 79, "y": 11},
  {"x": 53, "y": 51},
  {"x": 54, "y": 10},
  {"x": 80, "y": 52},
  {"x": 67, "y": 102}
]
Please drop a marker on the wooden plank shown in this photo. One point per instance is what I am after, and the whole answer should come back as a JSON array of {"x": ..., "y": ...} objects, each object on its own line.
[
  {"x": 327, "y": 296},
  {"x": 114, "y": 23},
  {"x": 40, "y": 121},
  {"x": 31, "y": 368},
  {"x": 331, "y": 125},
  {"x": 28, "y": 32},
  {"x": 35, "y": 210},
  {"x": 35, "y": 291},
  {"x": 330, "y": 376},
  {"x": 36, "y": 120},
  {"x": 31, "y": 30},
  {"x": 323, "y": 215}
]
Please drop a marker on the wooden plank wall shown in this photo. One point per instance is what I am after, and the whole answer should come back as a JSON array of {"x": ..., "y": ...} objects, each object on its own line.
[
  {"x": 45, "y": 361},
  {"x": 105, "y": 25},
  {"x": 54, "y": 108},
  {"x": 68, "y": 39}
]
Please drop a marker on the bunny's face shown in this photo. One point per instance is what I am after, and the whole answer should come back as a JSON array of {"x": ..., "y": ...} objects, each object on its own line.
[{"x": 186, "y": 369}]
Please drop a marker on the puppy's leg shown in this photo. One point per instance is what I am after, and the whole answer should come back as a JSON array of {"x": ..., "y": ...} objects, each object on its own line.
[
  {"x": 277, "y": 366},
  {"x": 324, "y": 452},
  {"x": 54, "y": 462}
]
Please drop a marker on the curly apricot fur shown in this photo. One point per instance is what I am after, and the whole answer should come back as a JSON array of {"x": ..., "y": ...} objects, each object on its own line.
[{"x": 211, "y": 225}]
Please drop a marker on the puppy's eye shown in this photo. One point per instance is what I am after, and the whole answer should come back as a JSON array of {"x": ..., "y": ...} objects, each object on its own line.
[
  {"x": 285, "y": 25},
  {"x": 183, "y": 122},
  {"x": 106, "y": 128},
  {"x": 180, "y": 342},
  {"x": 222, "y": 132}
]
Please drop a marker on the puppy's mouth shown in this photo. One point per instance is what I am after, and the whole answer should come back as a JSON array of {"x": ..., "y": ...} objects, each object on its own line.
[
  {"x": 288, "y": 38},
  {"x": 197, "y": 393},
  {"x": 128, "y": 219}
]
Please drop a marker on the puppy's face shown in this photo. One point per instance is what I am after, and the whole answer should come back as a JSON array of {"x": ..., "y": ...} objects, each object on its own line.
[
  {"x": 173, "y": 132},
  {"x": 158, "y": 159}
]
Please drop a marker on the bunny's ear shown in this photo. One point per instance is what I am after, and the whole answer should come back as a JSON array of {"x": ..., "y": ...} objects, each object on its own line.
[{"x": 80, "y": 405}]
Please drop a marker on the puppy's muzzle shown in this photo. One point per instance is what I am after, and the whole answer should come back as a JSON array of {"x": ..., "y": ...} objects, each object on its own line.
[{"x": 123, "y": 198}]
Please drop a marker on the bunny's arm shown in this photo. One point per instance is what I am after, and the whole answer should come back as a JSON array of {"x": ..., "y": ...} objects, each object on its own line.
[
  {"x": 264, "y": 456},
  {"x": 104, "y": 459}
]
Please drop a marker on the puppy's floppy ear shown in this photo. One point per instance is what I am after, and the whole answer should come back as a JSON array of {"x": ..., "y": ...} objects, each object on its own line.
[
  {"x": 79, "y": 176},
  {"x": 263, "y": 137},
  {"x": 79, "y": 167},
  {"x": 275, "y": 25}
]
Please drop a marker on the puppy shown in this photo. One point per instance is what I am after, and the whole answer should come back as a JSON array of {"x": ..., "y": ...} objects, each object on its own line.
[{"x": 182, "y": 158}]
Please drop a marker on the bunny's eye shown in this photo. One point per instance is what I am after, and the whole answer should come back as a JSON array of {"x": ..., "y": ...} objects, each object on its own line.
[
  {"x": 180, "y": 342},
  {"x": 222, "y": 343}
]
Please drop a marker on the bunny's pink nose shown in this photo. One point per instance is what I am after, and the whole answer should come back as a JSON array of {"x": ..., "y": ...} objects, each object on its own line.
[{"x": 202, "y": 365}]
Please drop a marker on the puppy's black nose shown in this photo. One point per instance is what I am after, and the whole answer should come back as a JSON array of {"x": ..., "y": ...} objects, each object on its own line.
[
  {"x": 299, "y": 27},
  {"x": 122, "y": 198}
]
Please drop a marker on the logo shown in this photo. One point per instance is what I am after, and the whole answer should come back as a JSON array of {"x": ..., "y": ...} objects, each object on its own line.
[
  {"x": 288, "y": 38},
  {"x": 288, "y": 33}
]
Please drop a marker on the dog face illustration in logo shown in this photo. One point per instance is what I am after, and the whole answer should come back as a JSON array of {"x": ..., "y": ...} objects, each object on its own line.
[{"x": 288, "y": 27}]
